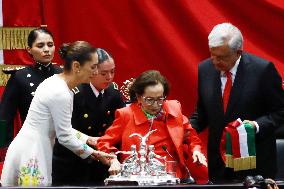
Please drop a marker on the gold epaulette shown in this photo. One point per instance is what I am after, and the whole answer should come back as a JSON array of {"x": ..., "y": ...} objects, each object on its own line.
[{"x": 7, "y": 70}]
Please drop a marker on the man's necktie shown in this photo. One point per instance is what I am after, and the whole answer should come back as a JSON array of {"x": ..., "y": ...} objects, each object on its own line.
[
  {"x": 100, "y": 97},
  {"x": 227, "y": 90}
]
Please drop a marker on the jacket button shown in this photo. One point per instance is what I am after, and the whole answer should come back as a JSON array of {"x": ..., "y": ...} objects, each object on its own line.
[
  {"x": 86, "y": 115},
  {"x": 89, "y": 128},
  {"x": 104, "y": 125}
]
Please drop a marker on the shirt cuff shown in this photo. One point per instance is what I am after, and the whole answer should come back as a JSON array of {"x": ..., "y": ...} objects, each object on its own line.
[
  {"x": 257, "y": 126},
  {"x": 85, "y": 152}
]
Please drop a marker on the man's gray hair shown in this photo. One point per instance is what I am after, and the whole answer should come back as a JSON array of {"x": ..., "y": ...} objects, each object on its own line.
[{"x": 226, "y": 33}]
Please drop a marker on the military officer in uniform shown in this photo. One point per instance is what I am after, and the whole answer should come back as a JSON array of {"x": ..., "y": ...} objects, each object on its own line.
[
  {"x": 93, "y": 112},
  {"x": 22, "y": 84}
]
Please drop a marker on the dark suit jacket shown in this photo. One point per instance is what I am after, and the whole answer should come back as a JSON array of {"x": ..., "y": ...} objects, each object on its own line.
[
  {"x": 19, "y": 93},
  {"x": 92, "y": 117},
  {"x": 256, "y": 95}
]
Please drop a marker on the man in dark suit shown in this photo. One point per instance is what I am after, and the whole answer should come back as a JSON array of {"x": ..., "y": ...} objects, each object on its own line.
[
  {"x": 93, "y": 112},
  {"x": 255, "y": 95}
]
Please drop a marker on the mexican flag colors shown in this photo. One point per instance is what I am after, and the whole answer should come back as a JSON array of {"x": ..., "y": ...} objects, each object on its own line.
[{"x": 238, "y": 146}]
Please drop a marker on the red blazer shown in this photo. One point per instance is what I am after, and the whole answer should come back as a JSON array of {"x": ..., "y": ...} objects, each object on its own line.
[{"x": 132, "y": 116}]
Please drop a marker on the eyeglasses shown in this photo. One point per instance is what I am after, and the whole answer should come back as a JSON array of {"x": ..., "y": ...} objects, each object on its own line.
[{"x": 150, "y": 100}]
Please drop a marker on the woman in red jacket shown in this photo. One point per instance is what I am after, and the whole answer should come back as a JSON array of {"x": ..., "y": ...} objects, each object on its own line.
[{"x": 149, "y": 111}]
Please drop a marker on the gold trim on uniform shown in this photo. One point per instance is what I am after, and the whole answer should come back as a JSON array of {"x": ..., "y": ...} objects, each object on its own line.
[{"x": 4, "y": 74}]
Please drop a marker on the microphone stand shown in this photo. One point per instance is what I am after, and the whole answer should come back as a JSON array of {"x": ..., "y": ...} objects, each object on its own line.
[{"x": 189, "y": 179}]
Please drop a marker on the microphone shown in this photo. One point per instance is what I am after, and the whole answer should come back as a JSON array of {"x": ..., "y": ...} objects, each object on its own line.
[
  {"x": 188, "y": 180},
  {"x": 166, "y": 150}
]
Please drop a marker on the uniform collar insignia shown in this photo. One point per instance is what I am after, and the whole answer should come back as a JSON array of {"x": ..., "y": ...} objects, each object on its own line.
[{"x": 43, "y": 67}]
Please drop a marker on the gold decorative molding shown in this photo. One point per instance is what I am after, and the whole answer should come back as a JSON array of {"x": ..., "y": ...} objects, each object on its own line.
[
  {"x": 5, "y": 70},
  {"x": 14, "y": 37}
]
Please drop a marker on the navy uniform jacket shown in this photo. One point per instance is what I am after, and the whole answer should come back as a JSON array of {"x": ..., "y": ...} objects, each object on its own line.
[
  {"x": 256, "y": 95},
  {"x": 92, "y": 117},
  {"x": 19, "y": 93}
]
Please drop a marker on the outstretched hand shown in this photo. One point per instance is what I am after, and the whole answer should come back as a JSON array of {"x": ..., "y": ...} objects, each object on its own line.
[
  {"x": 115, "y": 167},
  {"x": 199, "y": 157},
  {"x": 103, "y": 157},
  {"x": 92, "y": 141}
]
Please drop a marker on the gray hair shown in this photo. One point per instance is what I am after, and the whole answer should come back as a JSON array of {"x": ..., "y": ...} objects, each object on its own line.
[{"x": 226, "y": 33}]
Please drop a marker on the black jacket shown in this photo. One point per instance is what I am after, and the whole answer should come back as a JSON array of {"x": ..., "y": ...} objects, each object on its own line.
[{"x": 19, "y": 93}]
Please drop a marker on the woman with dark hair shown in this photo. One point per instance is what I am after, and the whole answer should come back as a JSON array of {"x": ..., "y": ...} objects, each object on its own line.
[
  {"x": 28, "y": 160},
  {"x": 93, "y": 112},
  {"x": 149, "y": 111},
  {"x": 21, "y": 86}
]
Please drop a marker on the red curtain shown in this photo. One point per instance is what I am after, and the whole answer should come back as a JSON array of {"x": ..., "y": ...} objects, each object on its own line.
[{"x": 170, "y": 36}]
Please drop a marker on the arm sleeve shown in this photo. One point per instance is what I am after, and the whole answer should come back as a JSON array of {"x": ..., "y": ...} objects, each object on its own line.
[
  {"x": 81, "y": 136},
  {"x": 112, "y": 135},
  {"x": 61, "y": 111},
  {"x": 274, "y": 101},
  {"x": 197, "y": 119},
  {"x": 9, "y": 105},
  {"x": 192, "y": 139}
]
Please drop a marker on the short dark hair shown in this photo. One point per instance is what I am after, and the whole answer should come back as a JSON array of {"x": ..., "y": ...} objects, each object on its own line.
[
  {"x": 103, "y": 55},
  {"x": 145, "y": 79},
  {"x": 34, "y": 34},
  {"x": 80, "y": 51}
]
